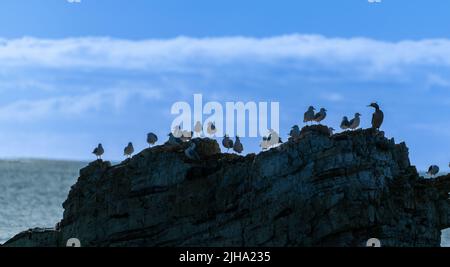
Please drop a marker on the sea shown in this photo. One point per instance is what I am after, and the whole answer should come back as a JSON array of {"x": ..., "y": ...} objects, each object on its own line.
[{"x": 32, "y": 192}]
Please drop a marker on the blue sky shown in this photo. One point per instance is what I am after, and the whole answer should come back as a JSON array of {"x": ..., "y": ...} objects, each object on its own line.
[{"x": 73, "y": 75}]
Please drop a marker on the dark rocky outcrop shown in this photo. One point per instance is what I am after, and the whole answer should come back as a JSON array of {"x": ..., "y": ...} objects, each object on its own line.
[{"x": 319, "y": 190}]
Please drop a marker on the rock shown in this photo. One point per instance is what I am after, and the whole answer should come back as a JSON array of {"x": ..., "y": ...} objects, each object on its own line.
[{"x": 319, "y": 190}]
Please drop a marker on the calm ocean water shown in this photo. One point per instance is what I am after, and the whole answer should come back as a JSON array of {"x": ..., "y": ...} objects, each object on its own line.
[{"x": 32, "y": 193}]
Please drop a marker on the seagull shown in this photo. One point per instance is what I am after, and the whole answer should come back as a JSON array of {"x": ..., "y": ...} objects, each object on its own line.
[
  {"x": 354, "y": 123},
  {"x": 227, "y": 142},
  {"x": 309, "y": 114},
  {"x": 198, "y": 128},
  {"x": 295, "y": 132},
  {"x": 174, "y": 140},
  {"x": 274, "y": 138},
  {"x": 211, "y": 128},
  {"x": 377, "y": 117},
  {"x": 186, "y": 136},
  {"x": 129, "y": 150},
  {"x": 98, "y": 151},
  {"x": 321, "y": 115},
  {"x": 152, "y": 139},
  {"x": 433, "y": 170},
  {"x": 191, "y": 153},
  {"x": 238, "y": 147},
  {"x": 345, "y": 124}
]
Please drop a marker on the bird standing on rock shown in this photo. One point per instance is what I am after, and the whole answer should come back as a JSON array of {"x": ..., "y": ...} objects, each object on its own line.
[
  {"x": 238, "y": 147},
  {"x": 129, "y": 150},
  {"x": 295, "y": 132},
  {"x": 377, "y": 117},
  {"x": 354, "y": 123},
  {"x": 321, "y": 115},
  {"x": 227, "y": 143},
  {"x": 345, "y": 124},
  {"x": 98, "y": 151},
  {"x": 152, "y": 139},
  {"x": 198, "y": 129},
  {"x": 309, "y": 114},
  {"x": 211, "y": 128},
  {"x": 433, "y": 170}
]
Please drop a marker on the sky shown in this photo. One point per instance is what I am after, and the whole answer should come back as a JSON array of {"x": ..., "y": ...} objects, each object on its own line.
[{"x": 76, "y": 74}]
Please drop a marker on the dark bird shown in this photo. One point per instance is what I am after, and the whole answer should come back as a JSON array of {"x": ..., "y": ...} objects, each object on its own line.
[
  {"x": 295, "y": 132},
  {"x": 433, "y": 170},
  {"x": 238, "y": 147},
  {"x": 309, "y": 114},
  {"x": 321, "y": 115},
  {"x": 152, "y": 139},
  {"x": 128, "y": 150},
  {"x": 98, "y": 151},
  {"x": 354, "y": 123},
  {"x": 377, "y": 117},
  {"x": 211, "y": 128},
  {"x": 345, "y": 124},
  {"x": 227, "y": 143}
]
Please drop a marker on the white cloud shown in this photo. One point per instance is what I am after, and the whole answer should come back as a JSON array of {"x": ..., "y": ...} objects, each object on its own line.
[
  {"x": 180, "y": 53},
  {"x": 74, "y": 105}
]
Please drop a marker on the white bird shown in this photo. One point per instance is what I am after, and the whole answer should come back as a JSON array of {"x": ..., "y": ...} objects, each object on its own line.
[
  {"x": 309, "y": 114},
  {"x": 321, "y": 115},
  {"x": 198, "y": 128},
  {"x": 238, "y": 147},
  {"x": 191, "y": 153},
  {"x": 377, "y": 117},
  {"x": 295, "y": 132},
  {"x": 433, "y": 170},
  {"x": 152, "y": 139},
  {"x": 345, "y": 124},
  {"x": 211, "y": 128},
  {"x": 128, "y": 150},
  {"x": 98, "y": 151},
  {"x": 354, "y": 123},
  {"x": 273, "y": 138},
  {"x": 227, "y": 143}
]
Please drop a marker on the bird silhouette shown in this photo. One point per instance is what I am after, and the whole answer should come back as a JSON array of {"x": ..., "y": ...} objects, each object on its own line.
[
  {"x": 128, "y": 150},
  {"x": 321, "y": 115},
  {"x": 377, "y": 117},
  {"x": 238, "y": 147},
  {"x": 152, "y": 139},
  {"x": 98, "y": 151},
  {"x": 309, "y": 114},
  {"x": 227, "y": 143},
  {"x": 354, "y": 123},
  {"x": 345, "y": 124},
  {"x": 433, "y": 170}
]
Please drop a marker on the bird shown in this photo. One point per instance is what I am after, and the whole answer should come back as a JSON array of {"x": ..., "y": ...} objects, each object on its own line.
[
  {"x": 198, "y": 128},
  {"x": 227, "y": 143},
  {"x": 264, "y": 144},
  {"x": 295, "y": 132},
  {"x": 433, "y": 170},
  {"x": 211, "y": 128},
  {"x": 186, "y": 136},
  {"x": 98, "y": 151},
  {"x": 238, "y": 147},
  {"x": 354, "y": 123},
  {"x": 152, "y": 139},
  {"x": 331, "y": 130},
  {"x": 345, "y": 124},
  {"x": 309, "y": 114},
  {"x": 128, "y": 150},
  {"x": 191, "y": 153},
  {"x": 321, "y": 115},
  {"x": 377, "y": 117},
  {"x": 273, "y": 138},
  {"x": 174, "y": 140}
]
